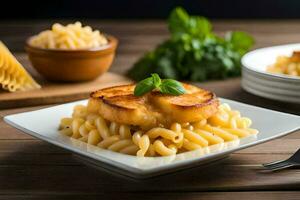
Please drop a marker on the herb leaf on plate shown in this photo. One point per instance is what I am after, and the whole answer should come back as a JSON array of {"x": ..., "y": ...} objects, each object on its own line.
[
  {"x": 144, "y": 86},
  {"x": 165, "y": 86},
  {"x": 171, "y": 87}
]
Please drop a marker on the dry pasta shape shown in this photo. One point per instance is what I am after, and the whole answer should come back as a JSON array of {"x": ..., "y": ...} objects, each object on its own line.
[{"x": 13, "y": 76}]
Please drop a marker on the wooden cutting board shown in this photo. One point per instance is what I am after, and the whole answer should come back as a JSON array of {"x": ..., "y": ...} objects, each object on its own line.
[{"x": 59, "y": 92}]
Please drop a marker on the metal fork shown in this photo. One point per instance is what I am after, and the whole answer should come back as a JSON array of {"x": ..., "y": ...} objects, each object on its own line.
[{"x": 293, "y": 161}]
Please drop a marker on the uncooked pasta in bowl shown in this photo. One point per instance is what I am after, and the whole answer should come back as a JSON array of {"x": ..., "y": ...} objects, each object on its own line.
[{"x": 71, "y": 53}]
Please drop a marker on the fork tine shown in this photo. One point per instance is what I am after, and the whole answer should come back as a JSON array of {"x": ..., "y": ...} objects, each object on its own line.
[
  {"x": 296, "y": 156},
  {"x": 273, "y": 163},
  {"x": 280, "y": 165},
  {"x": 294, "y": 160}
]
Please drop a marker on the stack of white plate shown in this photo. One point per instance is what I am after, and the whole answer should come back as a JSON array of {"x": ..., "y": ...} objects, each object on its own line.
[{"x": 256, "y": 80}]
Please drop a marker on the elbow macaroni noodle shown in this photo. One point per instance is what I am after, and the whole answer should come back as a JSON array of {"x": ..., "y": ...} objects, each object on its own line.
[
  {"x": 286, "y": 65},
  {"x": 226, "y": 125},
  {"x": 71, "y": 36}
]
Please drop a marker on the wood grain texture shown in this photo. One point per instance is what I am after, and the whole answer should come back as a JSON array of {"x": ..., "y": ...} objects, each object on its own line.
[
  {"x": 59, "y": 92},
  {"x": 265, "y": 195},
  {"x": 33, "y": 169},
  {"x": 72, "y": 178}
]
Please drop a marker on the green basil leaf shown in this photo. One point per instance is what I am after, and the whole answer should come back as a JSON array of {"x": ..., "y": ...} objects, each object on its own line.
[
  {"x": 171, "y": 87},
  {"x": 156, "y": 80},
  {"x": 144, "y": 86}
]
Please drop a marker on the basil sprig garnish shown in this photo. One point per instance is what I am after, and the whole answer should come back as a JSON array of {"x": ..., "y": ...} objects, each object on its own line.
[
  {"x": 170, "y": 86},
  {"x": 144, "y": 86},
  {"x": 165, "y": 86}
]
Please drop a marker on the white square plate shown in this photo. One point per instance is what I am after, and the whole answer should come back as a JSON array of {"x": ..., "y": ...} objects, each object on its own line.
[{"x": 43, "y": 124}]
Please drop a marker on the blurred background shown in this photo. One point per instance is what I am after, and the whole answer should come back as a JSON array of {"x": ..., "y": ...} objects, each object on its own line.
[
  {"x": 22, "y": 19},
  {"x": 131, "y": 21},
  {"x": 143, "y": 9}
]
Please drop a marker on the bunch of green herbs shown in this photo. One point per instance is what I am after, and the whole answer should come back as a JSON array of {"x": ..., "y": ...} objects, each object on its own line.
[{"x": 194, "y": 52}]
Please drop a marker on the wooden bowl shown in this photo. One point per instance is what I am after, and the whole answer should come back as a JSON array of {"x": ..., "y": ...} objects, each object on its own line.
[{"x": 72, "y": 65}]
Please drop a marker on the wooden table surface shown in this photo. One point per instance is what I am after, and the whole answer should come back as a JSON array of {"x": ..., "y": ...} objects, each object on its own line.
[{"x": 33, "y": 169}]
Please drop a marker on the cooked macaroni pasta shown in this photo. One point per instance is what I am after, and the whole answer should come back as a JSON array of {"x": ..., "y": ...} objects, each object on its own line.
[
  {"x": 286, "y": 65},
  {"x": 71, "y": 36},
  {"x": 226, "y": 125}
]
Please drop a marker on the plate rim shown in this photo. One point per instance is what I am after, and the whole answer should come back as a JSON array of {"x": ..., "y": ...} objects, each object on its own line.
[
  {"x": 280, "y": 76},
  {"x": 261, "y": 93},
  {"x": 278, "y": 90},
  {"x": 268, "y": 78}
]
